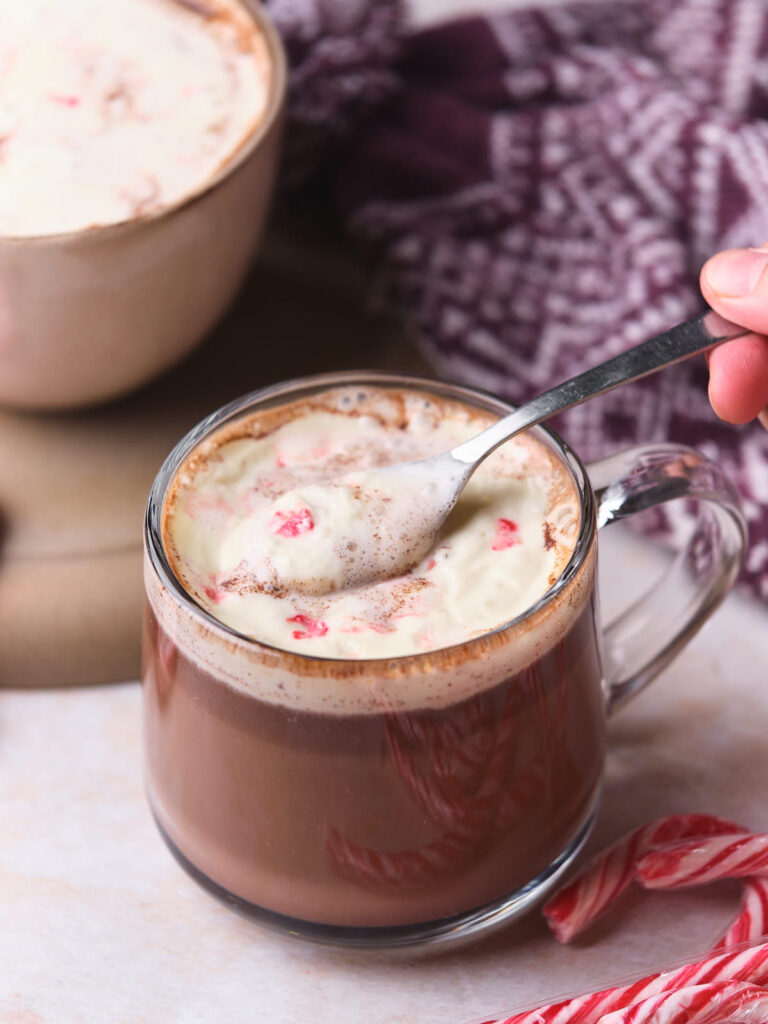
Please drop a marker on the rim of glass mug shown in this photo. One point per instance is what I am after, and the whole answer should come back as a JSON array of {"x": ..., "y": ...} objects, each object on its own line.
[{"x": 305, "y": 387}]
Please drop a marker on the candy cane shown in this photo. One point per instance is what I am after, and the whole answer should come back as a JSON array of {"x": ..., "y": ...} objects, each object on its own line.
[
  {"x": 751, "y": 922},
  {"x": 444, "y": 854},
  {"x": 465, "y": 737},
  {"x": 609, "y": 874},
  {"x": 696, "y": 1004},
  {"x": 403, "y": 867},
  {"x": 425, "y": 786},
  {"x": 704, "y": 860},
  {"x": 440, "y": 857},
  {"x": 442, "y": 764},
  {"x": 746, "y": 965}
]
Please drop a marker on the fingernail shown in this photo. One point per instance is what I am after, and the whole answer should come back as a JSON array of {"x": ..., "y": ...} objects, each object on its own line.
[{"x": 737, "y": 273}]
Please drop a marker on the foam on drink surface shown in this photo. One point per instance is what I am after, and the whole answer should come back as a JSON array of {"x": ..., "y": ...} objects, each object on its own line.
[
  {"x": 257, "y": 507},
  {"x": 114, "y": 109}
]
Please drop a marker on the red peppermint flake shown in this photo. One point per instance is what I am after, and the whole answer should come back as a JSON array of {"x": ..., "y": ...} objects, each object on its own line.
[
  {"x": 382, "y": 627},
  {"x": 64, "y": 101},
  {"x": 213, "y": 594},
  {"x": 291, "y": 524},
  {"x": 507, "y": 535},
  {"x": 312, "y": 627},
  {"x": 431, "y": 563}
]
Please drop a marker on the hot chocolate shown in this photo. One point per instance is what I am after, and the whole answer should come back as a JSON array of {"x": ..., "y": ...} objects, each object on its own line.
[
  {"x": 424, "y": 760},
  {"x": 374, "y": 819},
  {"x": 344, "y": 777},
  {"x": 265, "y": 520},
  {"x": 115, "y": 109}
]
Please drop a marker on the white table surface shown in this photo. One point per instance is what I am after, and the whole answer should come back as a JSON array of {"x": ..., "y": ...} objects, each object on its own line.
[{"x": 99, "y": 924}]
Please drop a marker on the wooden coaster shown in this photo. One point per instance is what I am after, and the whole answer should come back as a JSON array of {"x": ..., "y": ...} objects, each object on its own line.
[{"x": 73, "y": 487}]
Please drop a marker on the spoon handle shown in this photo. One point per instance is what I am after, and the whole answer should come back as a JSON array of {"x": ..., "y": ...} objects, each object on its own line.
[{"x": 678, "y": 343}]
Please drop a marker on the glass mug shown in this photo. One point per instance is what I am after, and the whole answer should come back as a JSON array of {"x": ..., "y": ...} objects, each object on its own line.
[{"x": 404, "y": 822}]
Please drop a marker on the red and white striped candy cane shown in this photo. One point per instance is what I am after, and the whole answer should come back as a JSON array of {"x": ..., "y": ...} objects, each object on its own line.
[
  {"x": 746, "y": 965},
  {"x": 751, "y": 922},
  {"x": 432, "y": 860},
  {"x": 704, "y": 860},
  {"x": 436, "y": 798},
  {"x": 574, "y": 907},
  {"x": 450, "y": 731},
  {"x": 697, "y": 1004},
  {"x": 445, "y": 854},
  {"x": 456, "y": 753},
  {"x": 402, "y": 867}
]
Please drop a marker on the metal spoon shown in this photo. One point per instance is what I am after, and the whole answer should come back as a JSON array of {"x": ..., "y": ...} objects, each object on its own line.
[
  {"x": 436, "y": 483},
  {"x": 678, "y": 343},
  {"x": 397, "y": 510}
]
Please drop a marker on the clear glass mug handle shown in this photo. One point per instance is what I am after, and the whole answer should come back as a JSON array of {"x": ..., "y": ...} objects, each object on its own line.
[{"x": 645, "y": 638}]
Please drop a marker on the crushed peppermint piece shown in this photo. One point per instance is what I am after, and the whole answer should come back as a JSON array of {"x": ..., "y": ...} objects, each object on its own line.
[
  {"x": 507, "y": 535},
  {"x": 292, "y": 524},
  {"x": 312, "y": 627},
  {"x": 64, "y": 101}
]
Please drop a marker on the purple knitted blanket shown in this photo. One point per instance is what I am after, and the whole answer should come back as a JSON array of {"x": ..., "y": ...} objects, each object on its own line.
[{"x": 537, "y": 190}]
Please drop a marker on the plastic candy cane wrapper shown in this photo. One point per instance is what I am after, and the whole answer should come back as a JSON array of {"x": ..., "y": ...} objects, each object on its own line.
[{"x": 724, "y": 988}]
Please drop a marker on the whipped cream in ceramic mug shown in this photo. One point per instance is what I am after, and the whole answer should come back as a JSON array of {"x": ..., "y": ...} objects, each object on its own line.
[{"x": 115, "y": 109}]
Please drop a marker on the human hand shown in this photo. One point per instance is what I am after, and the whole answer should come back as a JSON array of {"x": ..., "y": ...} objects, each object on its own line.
[{"x": 735, "y": 284}]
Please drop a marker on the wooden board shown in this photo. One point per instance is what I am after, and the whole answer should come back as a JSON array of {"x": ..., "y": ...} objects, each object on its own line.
[{"x": 73, "y": 487}]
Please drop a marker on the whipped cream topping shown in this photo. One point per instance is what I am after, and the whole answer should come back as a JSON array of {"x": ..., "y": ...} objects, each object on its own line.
[
  {"x": 250, "y": 512},
  {"x": 113, "y": 109},
  {"x": 388, "y": 518}
]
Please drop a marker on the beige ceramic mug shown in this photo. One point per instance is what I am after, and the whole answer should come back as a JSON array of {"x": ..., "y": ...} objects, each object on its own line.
[{"x": 90, "y": 314}]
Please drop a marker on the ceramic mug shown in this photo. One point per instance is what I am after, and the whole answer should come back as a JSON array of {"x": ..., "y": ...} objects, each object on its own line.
[
  {"x": 412, "y": 821},
  {"x": 87, "y": 315}
]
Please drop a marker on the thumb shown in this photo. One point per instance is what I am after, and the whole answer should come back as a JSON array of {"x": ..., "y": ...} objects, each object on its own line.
[{"x": 735, "y": 284}]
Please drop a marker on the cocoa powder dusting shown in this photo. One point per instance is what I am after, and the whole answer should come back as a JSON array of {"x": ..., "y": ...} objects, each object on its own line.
[
  {"x": 242, "y": 582},
  {"x": 549, "y": 540}
]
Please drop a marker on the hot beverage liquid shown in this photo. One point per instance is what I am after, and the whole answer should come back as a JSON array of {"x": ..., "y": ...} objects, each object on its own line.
[{"x": 375, "y": 820}]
